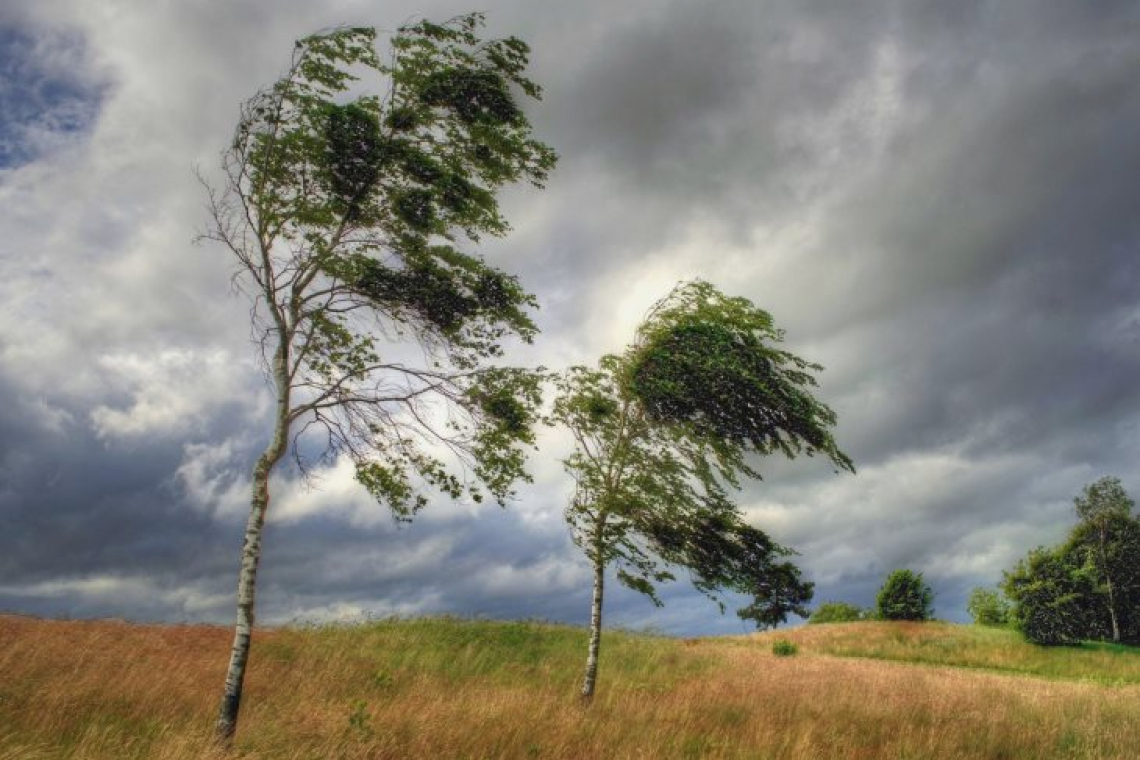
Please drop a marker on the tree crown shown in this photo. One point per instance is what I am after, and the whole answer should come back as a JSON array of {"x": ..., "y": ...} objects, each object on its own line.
[
  {"x": 1103, "y": 499},
  {"x": 661, "y": 441},
  {"x": 346, "y": 212},
  {"x": 905, "y": 596}
]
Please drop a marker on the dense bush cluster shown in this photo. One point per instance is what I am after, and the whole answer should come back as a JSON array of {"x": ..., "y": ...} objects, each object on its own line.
[{"x": 839, "y": 612}]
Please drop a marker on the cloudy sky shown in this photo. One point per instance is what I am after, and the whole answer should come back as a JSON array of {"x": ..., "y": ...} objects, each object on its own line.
[{"x": 937, "y": 201}]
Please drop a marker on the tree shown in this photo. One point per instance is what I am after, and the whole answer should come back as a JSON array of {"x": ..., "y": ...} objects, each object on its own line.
[
  {"x": 988, "y": 607},
  {"x": 838, "y": 612},
  {"x": 1051, "y": 596},
  {"x": 346, "y": 216},
  {"x": 662, "y": 434},
  {"x": 905, "y": 596},
  {"x": 1110, "y": 550},
  {"x": 1099, "y": 506},
  {"x": 1087, "y": 588}
]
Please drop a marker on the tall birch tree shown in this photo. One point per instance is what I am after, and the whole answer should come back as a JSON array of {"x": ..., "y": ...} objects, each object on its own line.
[
  {"x": 349, "y": 188},
  {"x": 665, "y": 432},
  {"x": 1099, "y": 506}
]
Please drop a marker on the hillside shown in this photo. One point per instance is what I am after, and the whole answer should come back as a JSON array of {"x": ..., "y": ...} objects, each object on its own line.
[{"x": 446, "y": 688}]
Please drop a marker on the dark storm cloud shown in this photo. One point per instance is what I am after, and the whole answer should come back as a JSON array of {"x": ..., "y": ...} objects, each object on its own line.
[
  {"x": 936, "y": 200},
  {"x": 76, "y": 508}
]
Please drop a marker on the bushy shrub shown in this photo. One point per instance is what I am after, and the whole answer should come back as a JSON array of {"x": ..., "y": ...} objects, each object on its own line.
[
  {"x": 1053, "y": 598},
  {"x": 988, "y": 607},
  {"x": 905, "y": 596},
  {"x": 838, "y": 612},
  {"x": 784, "y": 648}
]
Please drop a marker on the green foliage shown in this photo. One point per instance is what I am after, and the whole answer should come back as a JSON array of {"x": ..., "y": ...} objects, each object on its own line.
[
  {"x": 351, "y": 187},
  {"x": 708, "y": 363},
  {"x": 784, "y": 648},
  {"x": 1103, "y": 500},
  {"x": 1051, "y": 595},
  {"x": 988, "y": 607},
  {"x": 1107, "y": 539},
  {"x": 655, "y": 457},
  {"x": 904, "y": 596},
  {"x": 838, "y": 612},
  {"x": 1111, "y": 548},
  {"x": 1072, "y": 592}
]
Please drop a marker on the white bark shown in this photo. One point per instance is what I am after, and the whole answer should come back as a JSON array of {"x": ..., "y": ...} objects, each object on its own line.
[
  {"x": 251, "y": 555},
  {"x": 595, "y": 621},
  {"x": 1108, "y": 582}
]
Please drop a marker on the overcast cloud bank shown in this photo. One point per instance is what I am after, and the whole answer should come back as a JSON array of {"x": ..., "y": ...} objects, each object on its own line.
[{"x": 937, "y": 202}]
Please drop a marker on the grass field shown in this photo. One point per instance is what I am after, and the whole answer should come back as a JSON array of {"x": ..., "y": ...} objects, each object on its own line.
[{"x": 455, "y": 689}]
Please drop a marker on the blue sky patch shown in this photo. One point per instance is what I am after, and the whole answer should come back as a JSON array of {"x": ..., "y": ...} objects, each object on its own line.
[{"x": 46, "y": 96}]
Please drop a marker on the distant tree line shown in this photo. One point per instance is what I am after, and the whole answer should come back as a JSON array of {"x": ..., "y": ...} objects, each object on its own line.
[
  {"x": 1085, "y": 589},
  {"x": 904, "y": 595}
]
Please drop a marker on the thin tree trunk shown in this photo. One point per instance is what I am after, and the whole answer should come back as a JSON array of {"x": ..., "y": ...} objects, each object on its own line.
[
  {"x": 250, "y": 557},
  {"x": 595, "y": 627},
  {"x": 1112, "y": 612},
  {"x": 1108, "y": 582}
]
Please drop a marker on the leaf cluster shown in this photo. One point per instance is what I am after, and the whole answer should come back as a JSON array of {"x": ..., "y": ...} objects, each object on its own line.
[{"x": 709, "y": 364}]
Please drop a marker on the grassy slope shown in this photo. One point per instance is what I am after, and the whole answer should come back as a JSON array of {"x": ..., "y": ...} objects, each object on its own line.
[
  {"x": 968, "y": 646},
  {"x": 437, "y": 688}
]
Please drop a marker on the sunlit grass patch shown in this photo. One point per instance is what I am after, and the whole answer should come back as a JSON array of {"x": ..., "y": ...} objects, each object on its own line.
[{"x": 972, "y": 646}]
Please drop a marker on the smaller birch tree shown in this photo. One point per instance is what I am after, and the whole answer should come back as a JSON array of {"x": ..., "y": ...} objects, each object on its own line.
[{"x": 665, "y": 432}]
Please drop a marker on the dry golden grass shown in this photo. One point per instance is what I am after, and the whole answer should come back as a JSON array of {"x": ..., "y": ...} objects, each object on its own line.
[{"x": 450, "y": 689}]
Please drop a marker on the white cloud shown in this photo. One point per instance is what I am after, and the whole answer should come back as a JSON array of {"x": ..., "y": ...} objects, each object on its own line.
[
  {"x": 171, "y": 391},
  {"x": 213, "y": 479}
]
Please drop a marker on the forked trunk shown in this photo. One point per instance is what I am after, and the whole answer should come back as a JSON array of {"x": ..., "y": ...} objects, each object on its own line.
[
  {"x": 250, "y": 557},
  {"x": 595, "y": 629}
]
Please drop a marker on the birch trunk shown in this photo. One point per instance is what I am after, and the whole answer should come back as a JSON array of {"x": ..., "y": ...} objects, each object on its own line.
[
  {"x": 251, "y": 555},
  {"x": 595, "y": 628},
  {"x": 1108, "y": 582},
  {"x": 1112, "y": 613}
]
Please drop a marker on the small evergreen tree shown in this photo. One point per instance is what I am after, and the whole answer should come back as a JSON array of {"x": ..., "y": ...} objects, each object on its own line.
[{"x": 905, "y": 596}]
